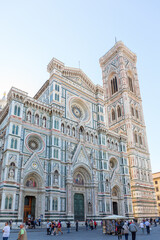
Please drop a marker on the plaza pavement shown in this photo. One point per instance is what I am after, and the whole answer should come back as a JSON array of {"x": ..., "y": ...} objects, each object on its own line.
[{"x": 82, "y": 234}]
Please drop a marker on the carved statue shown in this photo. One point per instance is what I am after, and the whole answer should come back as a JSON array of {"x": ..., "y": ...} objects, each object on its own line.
[{"x": 11, "y": 173}]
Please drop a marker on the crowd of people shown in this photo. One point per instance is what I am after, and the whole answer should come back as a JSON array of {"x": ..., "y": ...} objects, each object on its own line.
[
  {"x": 125, "y": 227},
  {"x": 118, "y": 228}
]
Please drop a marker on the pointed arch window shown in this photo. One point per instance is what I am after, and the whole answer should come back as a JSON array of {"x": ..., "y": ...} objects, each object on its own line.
[
  {"x": 55, "y": 204},
  {"x": 114, "y": 86},
  {"x": 13, "y": 129},
  {"x": 140, "y": 139},
  {"x": 19, "y": 111},
  {"x": 37, "y": 119},
  {"x": 91, "y": 138},
  {"x": 62, "y": 128},
  {"x": 73, "y": 132},
  {"x": 15, "y": 110},
  {"x": 44, "y": 122},
  {"x": 130, "y": 84},
  {"x": 137, "y": 115},
  {"x": 113, "y": 115},
  {"x": 29, "y": 116},
  {"x": 132, "y": 111},
  {"x": 136, "y": 138},
  {"x": 119, "y": 111}
]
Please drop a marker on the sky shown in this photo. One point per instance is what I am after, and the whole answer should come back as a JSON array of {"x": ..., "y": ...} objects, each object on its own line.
[{"x": 32, "y": 32}]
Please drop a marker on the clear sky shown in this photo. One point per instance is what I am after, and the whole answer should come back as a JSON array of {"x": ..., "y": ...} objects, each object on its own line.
[{"x": 32, "y": 32}]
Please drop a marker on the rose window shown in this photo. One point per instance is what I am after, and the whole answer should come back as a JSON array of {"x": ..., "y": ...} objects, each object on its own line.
[{"x": 77, "y": 111}]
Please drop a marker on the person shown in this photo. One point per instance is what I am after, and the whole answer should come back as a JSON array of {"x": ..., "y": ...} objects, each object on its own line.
[
  {"x": 6, "y": 231},
  {"x": 77, "y": 225},
  {"x": 86, "y": 223},
  {"x": 133, "y": 229},
  {"x": 155, "y": 223},
  {"x": 147, "y": 223},
  {"x": 52, "y": 228},
  {"x": 59, "y": 227},
  {"x": 91, "y": 224},
  {"x": 68, "y": 226},
  {"x": 10, "y": 223},
  {"x": 39, "y": 221},
  {"x": 142, "y": 226},
  {"x": 48, "y": 227},
  {"x": 95, "y": 224},
  {"x": 119, "y": 230},
  {"x": 126, "y": 230},
  {"x": 22, "y": 235}
]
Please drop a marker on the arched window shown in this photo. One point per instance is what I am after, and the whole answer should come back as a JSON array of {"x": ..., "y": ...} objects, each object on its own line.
[
  {"x": 17, "y": 128},
  {"x": 55, "y": 204},
  {"x": 19, "y": 111},
  {"x": 56, "y": 124},
  {"x": 29, "y": 116},
  {"x": 114, "y": 86},
  {"x": 132, "y": 111},
  {"x": 37, "y": 119},
  {"x": 81, "y": 132},
  {"x": 130, "y": 84},
  {"x": 87, "y": 136},
  {"x": 13, "y": 129},
  {"x": 15, "y": 144},
  {"x": 140, "y": 139},
  {"x": 15, "y": 110},
  {"x": 12, "y": 143},
  {"x": 135, "y": 137},
  {"x": 73, "y": 132},
  {"x": 44, "y": 122},
  {"x": 113, "y": 115},
  {"x": 10, "y": 203},
  {"x": 137, "y": 116},
  {"x": 91, "y": 138},
  {"x": 68, "y": 130},
  {"x": 62, "y": 128},
  {"x": 6, "y": 203},
  {"x": 119, "y": 111}
]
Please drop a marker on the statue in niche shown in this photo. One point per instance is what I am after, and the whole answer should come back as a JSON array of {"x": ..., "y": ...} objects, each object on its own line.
[
  {"x": 44, "y": 122},
  {"x": 90, "y": 207},
  {"x": 11, "y": 173},
  {"x": 55, "y": 178}
]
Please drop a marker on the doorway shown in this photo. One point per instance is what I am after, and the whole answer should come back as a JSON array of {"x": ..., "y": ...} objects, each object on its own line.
[
  {"x": 79, "y": 207},
  {"x": 115, "y": 208},
  {"x": 29, "y": 207}
]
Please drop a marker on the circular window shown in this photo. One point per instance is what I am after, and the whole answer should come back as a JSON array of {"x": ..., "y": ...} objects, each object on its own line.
[
  {"x": 34, "y": 143},
  {"x": 79, "y": 109}
]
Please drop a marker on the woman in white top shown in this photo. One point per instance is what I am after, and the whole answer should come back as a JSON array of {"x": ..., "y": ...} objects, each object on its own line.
[{"x": 6, "y": 231}]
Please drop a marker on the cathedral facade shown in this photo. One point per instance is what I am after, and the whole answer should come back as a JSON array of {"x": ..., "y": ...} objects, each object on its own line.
[{"x": 76, "y": 150}]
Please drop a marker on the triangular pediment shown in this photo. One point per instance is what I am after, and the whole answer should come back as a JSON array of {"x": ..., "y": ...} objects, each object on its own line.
[
  {"x": 80, "y": 157},
  {"x": 33, "y": 164},
  {"x": 79, "y": 77}
]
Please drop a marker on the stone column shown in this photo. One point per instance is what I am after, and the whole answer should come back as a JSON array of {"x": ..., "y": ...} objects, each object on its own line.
[{"x": 69, "y": 197}]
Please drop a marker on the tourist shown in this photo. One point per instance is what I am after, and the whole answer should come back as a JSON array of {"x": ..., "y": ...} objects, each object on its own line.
[
  {"x": 77, "y": 225},
  {"x": 68, "y": 226},
  {"x": 155, "y": 223},
  {"x": 39, "y": 221},
  {"x": 147, "y": 223},
  {"x": 6, "y": 231},
  {"x": 52, "y": 228},
  {"x": 133, "y": 229},
  {"x": 119, "y": 230},
  {"x": 126, "y": 230},
  {"x": 95, "y": 224},
  {"x": 10, "y": 223},
  {"x": 59, "y": 227},
  {"x": 22, "y": 235},
  {"x": 86, "y": 223},
  {"x": 91, "y": 224},
  {"x": 142, "y": 226},
  {"x": 48, "y": 227}
]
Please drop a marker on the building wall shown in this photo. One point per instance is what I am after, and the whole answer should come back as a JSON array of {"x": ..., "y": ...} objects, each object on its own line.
[
  {"x": 156, "y": 181},
  {"x": 62, "y": 143}
]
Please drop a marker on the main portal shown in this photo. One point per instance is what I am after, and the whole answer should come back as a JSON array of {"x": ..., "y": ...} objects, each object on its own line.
[{"x": 79, "y": 207}]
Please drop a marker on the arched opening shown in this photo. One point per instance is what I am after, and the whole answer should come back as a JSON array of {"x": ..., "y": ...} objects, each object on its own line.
[
  {"x": 115, "y": 200},
  {"x": 119, "y": 111},
  {"x": 113, "y": 115}
]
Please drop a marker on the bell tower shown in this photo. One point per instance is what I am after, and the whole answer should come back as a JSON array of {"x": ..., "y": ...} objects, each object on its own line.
[{"x": 124, "y": 114}]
